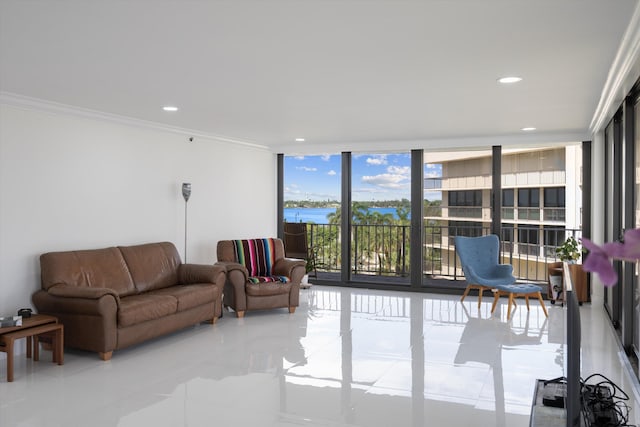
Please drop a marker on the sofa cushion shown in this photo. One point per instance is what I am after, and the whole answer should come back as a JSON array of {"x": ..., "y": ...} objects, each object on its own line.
[
  {"x": 153, "y": 265},
  {"x": 94, "y": 268},
  {"x": 189, "y": 296},
  {"x": 267, "y": 288},
  {"x": 140, "y": 308},
  {"x": 257, "y": 255}
]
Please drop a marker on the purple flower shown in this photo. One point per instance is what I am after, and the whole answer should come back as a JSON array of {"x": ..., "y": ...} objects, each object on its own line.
[
  {"x": 598, "y": 262},
  {"x": 599, "y": 259}
]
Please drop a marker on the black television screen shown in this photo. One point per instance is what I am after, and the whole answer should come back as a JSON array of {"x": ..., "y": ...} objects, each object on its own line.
[{"x": 572, "y": 360}]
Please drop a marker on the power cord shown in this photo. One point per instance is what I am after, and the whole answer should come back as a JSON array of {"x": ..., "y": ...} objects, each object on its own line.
[{"x": 603, "y": 403}]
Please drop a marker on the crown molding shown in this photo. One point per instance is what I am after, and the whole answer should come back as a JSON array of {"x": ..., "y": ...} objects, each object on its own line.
[
  {"x": 623, "y": 74},
  {"x": 36, "y": 104}
]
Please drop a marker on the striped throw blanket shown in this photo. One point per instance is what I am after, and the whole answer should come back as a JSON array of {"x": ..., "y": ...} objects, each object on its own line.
[{"x": 258, "y": 256}]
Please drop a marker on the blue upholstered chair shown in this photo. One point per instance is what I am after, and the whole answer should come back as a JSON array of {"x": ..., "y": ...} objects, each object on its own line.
[
  {"x": 480, "y": 264},
  {"x": 479, "y": 259}
]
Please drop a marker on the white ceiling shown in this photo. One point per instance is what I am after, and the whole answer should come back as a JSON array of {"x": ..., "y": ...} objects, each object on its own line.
[{"x": 344, "y": 74}]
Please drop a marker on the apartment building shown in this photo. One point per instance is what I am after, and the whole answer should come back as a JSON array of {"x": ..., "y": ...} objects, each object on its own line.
[{"x": 541, "y": 204}]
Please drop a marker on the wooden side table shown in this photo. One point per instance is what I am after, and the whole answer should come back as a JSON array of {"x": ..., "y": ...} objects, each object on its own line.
[{"x": 32, "y": 328}]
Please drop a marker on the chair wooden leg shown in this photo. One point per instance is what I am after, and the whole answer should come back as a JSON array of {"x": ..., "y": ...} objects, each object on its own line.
[
  {"x": 526, "y": 299},
  {"x": 466, "y": 292},
  {"x": 292, "y": 310},
  {"x": 544, "y": 308},
  {"x": 240, "y": 314},
  {"x": 105, "y": 355},
  {"x": 480, "y": 290},
  {"x": 496, "y": 297}
]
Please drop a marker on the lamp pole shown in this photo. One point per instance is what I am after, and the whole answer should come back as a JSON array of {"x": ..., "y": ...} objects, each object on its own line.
[{"x": 186, "y": 193}]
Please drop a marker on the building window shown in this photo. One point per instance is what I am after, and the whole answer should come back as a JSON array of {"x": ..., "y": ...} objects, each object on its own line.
[
  {"x": 529, "y": 203},
  {"x": 528, "y": 240},
  {"x": 507, "y": 203},
  {"x": 466, "y": 204},
  {"x": 554, "y": 204},
  {"x": 506, "y": 237},
  {"x": 465, "y": 228},
  {"x": 554, "y": 236}
]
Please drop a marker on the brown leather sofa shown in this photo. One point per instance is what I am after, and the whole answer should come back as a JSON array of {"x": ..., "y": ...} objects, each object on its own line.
[
  {"x": 112, "y": 298},
  {"x": 259, "y": 276}
]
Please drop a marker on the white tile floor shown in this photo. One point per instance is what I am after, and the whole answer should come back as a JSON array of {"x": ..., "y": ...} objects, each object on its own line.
[{"x": 347, "y": 357}]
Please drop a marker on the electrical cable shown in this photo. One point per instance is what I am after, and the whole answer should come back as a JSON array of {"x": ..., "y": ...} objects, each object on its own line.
[{"x": 603, "y": 403}]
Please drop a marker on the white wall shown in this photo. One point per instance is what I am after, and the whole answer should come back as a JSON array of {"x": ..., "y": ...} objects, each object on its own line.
[{"x": 71, "y": 182}]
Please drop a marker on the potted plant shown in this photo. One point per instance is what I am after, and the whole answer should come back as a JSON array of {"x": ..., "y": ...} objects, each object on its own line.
[{"x": 569, "y": 251}]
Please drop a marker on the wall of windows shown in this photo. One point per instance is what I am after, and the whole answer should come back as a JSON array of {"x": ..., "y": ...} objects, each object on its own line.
[
  {"x": 621, "y": 201},
  {"x": 374, "y": 237}
]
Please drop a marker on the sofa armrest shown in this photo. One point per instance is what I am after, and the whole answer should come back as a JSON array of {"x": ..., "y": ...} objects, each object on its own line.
[
  {"x": 82, "y": 292},
  {"x": 234, "y": 266},
  {"x": 286, "y": 267},
  {"x": 89, "y": 315},
  {"x": 201, "y": 273}
]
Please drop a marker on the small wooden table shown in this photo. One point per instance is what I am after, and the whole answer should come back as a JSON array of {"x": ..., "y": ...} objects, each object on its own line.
[{"x": 32, "y": 328}]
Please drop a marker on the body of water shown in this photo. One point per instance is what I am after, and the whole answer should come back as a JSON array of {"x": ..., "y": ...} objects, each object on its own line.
[{"x": 319, "y": 215}]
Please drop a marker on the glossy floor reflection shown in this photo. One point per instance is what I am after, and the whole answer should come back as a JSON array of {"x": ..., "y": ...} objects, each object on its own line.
[{"x": 347, "y": 357}]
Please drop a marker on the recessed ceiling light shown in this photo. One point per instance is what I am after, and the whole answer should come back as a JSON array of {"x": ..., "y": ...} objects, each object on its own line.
[
  {"x": 511, "y": 79},
  {"x": 528, "y": 129},
  {"x": 299, "y": 139},
  {"x": 170, "y": 108}
]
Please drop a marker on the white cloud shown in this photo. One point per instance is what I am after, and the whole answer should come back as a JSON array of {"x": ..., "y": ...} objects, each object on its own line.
[
  {"x": 299, "y": 157},
  {"x": 306, "y": 169},
  {"x": 377, "y": 160},
  {"x": 326, "y": 157},
  {"x": 331, "y": 172},
  {"x": 400, "y": 170},
  {"x": 386, "y": 180}
]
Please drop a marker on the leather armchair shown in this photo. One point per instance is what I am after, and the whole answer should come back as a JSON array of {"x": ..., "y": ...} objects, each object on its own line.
[{"x": 259, "y": 276}]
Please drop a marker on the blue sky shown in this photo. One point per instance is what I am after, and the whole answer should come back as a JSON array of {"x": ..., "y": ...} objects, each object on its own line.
[{"x": 375, "y": 177}]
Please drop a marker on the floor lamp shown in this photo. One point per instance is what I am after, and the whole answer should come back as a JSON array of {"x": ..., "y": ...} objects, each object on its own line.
[{"x": 186, "y": 193}]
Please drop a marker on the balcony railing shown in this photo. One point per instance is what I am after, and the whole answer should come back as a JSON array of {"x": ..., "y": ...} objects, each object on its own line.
[
  {"x": 465, "y": 211},
  {"x": 433, "y": 183},
  {"x": 383, "y": 250},
  {"x": 508, "y": 213},
  {"x": 554, "y": 214},
  {"x": 529, "y": 214}
]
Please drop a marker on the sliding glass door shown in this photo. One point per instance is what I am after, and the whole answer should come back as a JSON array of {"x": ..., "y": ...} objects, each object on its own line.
[
  {"x": 312, "y": 196},
  {"x": 380, "y": 217}
]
